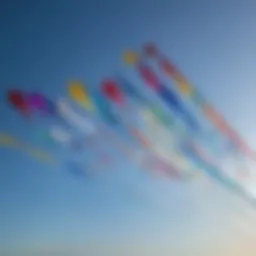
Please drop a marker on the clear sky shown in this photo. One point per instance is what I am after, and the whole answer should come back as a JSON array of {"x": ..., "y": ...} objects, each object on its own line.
[{"x": 44, "y": 211}]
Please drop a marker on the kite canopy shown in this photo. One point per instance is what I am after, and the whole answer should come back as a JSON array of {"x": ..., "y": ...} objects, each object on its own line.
[
  {"x": 18, "y": 99},
  {"x": 130, "y": 90},
  {"x": 79, "y": 94},
  {"x": 36, "y": 101},
  {"x": 149, "y": 77},
  {"x": 167, "y": 67},
  {"x": 130, "y": 57},
  {"x": 112, "y": 91}
]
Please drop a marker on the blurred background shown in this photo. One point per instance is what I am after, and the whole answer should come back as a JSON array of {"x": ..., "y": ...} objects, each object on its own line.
[{"x": 46, "y": 209}]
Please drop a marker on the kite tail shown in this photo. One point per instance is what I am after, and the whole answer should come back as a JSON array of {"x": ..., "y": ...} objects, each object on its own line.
[{"x": 212, "y": 171}]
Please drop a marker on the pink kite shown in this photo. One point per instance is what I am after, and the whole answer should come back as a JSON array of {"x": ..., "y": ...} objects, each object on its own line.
[{"x": 148, "y": 76}]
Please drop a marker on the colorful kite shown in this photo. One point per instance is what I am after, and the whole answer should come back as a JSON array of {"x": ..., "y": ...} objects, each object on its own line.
[
  {"x": 152, "y": 81},
  {"x": 37, "y": 101},
  {"x": 104, "y": 109},
  {"x": 149, "y": 124},
  {"x": 78, "y": 93},
  {"x": 111, "y": 91},
  {"x": 74, "y": 119},
  {"x": 18, "y": 100},
  {"x": 186, "y": 89},
  {"x": 7, "y": 140}
]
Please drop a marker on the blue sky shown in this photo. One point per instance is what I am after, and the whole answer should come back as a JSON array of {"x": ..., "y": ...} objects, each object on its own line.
[{"x": 46, "y": 43}]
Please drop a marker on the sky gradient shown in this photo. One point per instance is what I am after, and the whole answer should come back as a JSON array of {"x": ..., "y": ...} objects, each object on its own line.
[{"x": 123, "y": 212}]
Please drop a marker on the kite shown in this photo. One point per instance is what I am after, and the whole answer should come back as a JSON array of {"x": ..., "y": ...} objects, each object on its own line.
[
  {"x": 150, "y": 125},
  {"x": 185, "y": 88},
  {"x": 150, "y": 50},
  {"x": 128, "y": 88},
  {"x": 79, "y": 94},
  {"x": 167, "y": 67},
  {"x": 211, "y": 170},
  {"x": 74, "y": 119},
  {"x": 143, "y": 103},
  {"x": 161, "y": 116},
  {"x": 153, "y": 82},
  {"x": 130, "y": 57},
  {"x": 41, "y": 155},
  {"x": 148, "y": 76},
  {"x": 36, "y": 101},
  {"x": 104, "y": 109},
  {"x": 170, "y": 98},
  {"x": 7, "y": 140},
  {"x": 25, "y": 103},
  {"x": 60, "y": 135},
  {"x": 18, "y": 99},
  {"x": 112, "y": 92}
]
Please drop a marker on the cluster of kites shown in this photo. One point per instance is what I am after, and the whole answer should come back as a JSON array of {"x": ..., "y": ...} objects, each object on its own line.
[{"x": 155, "y": 119}]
